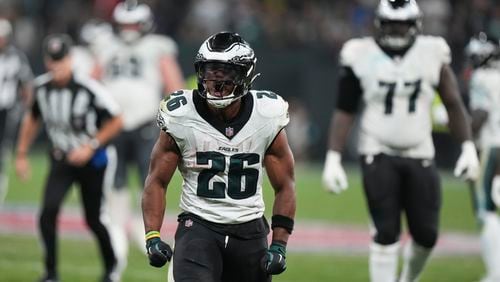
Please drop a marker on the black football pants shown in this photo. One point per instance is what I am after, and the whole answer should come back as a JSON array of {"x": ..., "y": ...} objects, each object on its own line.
[
  {"x": 394, "y": 185},
  {"x": 60, "y": 179}
]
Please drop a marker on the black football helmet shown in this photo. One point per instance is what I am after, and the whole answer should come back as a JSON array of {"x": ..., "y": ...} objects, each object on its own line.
[
  {"x": 397, "y": 23},
  {"x": 233, "y": 53}
]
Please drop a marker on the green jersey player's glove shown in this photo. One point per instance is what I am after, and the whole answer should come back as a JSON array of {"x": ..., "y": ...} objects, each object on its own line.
[
  {"x": 159, "y": 252},
  {"x": 274, "y": 262}
]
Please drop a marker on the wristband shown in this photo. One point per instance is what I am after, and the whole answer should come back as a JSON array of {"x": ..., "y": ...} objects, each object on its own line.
[
  {"x": 152, "y": 234},
  {"x": 283, "y": 222}
]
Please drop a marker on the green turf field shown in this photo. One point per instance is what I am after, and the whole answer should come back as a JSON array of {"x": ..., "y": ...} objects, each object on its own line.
[{"x": 20, "y": 256}]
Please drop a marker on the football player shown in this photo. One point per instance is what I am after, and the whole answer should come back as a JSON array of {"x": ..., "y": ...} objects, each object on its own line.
[
  {"x": 395, "y": 74},
  {"x": 484, "y": 54},
  {"x": 137, "y": 67},
  {"x": 15, "y": 86},
  {"x": 220, "y": 136}
]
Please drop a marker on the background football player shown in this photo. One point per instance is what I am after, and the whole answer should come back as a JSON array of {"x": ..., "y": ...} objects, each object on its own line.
[
  {"x": 221, "y": 136},
  {"x": 15, "y": 82},
  {"x": 137, "y": 67},
  {"x": 484, "y": 91},
  {"x": 396, "y": 74}
]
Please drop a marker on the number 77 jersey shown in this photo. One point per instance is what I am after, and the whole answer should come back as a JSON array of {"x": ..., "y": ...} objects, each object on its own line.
[
  {"x": 222, "y": 162},
  {"x": 397, "y": 93}
]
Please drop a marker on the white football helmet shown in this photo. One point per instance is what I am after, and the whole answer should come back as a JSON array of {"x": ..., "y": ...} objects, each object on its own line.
[
  {"x": 130, "y": 13},
  {"x": 5, "y": 32},
  {"x": 231, "y": 50},
  {"x": 391, "y": 13},
  {"x": 482, "y": 50}
]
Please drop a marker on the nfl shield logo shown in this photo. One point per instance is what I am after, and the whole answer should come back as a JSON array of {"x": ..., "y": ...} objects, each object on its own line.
[{"x": 229, "y": 131}]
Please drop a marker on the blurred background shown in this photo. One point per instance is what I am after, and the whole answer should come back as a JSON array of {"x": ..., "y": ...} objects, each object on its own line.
[{"x": 296, "y": 42}]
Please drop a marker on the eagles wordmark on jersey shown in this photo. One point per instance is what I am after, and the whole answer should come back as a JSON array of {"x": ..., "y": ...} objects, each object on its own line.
[{"x": 222, "y": 164}]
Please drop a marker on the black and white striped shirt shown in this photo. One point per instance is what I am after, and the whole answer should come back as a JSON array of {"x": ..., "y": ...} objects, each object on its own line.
[
  {"x": 14, "y": 71},
  {"x": 72, "y": 114}
]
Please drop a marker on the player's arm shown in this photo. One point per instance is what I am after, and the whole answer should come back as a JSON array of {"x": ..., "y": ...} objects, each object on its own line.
[
  {"x": 164, "y": 159},
  {"x": 171, "y": 73},
  {"x": 348, "y": 101},
  {"x": 27, "y": 133},
  {"x": 450, "y": 95},
  {"x": 26, "y": 92},
  {"x": 468, "y": 163},
  {"x": 279, "y": 165},
  {"x": 479, "y": 117}
]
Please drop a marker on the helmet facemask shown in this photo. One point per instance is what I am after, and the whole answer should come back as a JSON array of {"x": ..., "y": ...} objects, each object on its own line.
[
  {"x": 223, "y": 83},
  {"x": 396, "y": 35},
  {"x": 397, "y": 24}
]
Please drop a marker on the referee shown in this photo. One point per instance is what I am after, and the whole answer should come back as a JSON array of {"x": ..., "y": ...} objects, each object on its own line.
[{"x": 79, "y": 118}]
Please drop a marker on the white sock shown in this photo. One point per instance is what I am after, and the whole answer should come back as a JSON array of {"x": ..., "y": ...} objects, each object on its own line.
[
  {"x": 490, "y": 245},
  {"x": 383, "y": 262},
  {"x": 119, "y": 211},
  {"x": 415, "y": 257}
]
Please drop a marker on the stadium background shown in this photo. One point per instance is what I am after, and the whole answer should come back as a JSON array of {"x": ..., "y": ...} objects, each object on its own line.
[{"x": 297, "y": 44}]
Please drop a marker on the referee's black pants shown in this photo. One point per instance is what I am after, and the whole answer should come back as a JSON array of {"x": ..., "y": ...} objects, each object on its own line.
[{"x": 61, "y": 177}]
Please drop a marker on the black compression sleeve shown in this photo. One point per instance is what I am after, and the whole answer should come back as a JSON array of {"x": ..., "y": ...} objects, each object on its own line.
[{"x": 349, "y": 92}]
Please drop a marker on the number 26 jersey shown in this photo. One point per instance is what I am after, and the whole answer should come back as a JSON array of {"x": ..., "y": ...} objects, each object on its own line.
[
  {"x": 222, "y": 163},
  {"x": 397, "y": 94}
]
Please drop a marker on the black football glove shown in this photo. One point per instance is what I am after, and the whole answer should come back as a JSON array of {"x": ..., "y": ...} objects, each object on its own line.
[
  {"x": 159, "y": 252},
  {"x": 274, "y": 262}
]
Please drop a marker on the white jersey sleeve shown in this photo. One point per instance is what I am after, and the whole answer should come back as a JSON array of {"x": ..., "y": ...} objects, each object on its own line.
[
  {"x": 273, "y": 108},
  {"x": 163, "y": 45}
]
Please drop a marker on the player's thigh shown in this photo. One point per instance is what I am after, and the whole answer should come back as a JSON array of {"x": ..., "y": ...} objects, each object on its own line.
[
  {"x": 381, "y": 183},
  {"x": 243, "y": 260},
  {"x": 422, "y": 201},
  {"x": 197, "y": 256}
]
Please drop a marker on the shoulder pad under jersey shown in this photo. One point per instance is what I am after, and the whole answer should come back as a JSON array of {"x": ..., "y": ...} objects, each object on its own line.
[
  {"x": 353, "y": 48},
  {"x": 174, "y": 106},
  {"x": 271, "y": 105},
  {"x": 163, "y": 44},
  {"x": 436, "y": 47}
]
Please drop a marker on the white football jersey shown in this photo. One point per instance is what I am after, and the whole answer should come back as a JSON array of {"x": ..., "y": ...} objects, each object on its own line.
[
  {"x": 485, "y": 95},
  {"x": 397, "y": 94},
  {"x": 131, "y": 72},
  {"x": 222, "y": 164}
]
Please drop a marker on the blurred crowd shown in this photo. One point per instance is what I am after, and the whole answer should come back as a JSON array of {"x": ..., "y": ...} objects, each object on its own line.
[{"x": 277, "y": 25}]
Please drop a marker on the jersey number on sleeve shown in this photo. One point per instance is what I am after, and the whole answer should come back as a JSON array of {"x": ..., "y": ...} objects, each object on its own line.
[
  {"x": 176, "y": 100},
  {"x": 389, "y": 97},
  {"x": 236, "y": 173}
]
